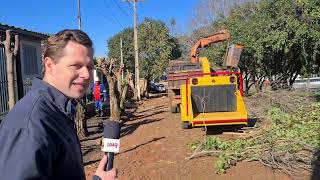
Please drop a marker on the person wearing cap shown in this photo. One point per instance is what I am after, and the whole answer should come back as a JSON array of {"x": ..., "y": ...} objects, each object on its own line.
[{"x": 99, "y": 95}]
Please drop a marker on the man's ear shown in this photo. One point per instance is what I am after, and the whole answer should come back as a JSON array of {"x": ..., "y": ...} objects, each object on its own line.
[{"x": 48, "y": 65}]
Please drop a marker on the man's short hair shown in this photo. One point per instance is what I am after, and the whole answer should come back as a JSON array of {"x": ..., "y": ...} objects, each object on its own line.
[{"x": 55, "y": 44}]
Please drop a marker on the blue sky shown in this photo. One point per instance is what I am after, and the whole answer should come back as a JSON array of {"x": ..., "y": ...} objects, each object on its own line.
[{"x": 101, "y": 19}]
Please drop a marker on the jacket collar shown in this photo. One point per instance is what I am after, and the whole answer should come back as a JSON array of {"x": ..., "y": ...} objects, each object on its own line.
[{"x": 66, "y": 105}]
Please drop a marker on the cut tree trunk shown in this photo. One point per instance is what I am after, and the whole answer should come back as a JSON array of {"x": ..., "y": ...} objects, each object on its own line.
[
  {"x": 81, "y": 119},
  {"x": 115, "y": 111},
  {"x": 135, "y": 92},
  {"x": 116, "y": 93},
  {"x": 125, "y": 89},
  {"x": 11, "y": 57}
]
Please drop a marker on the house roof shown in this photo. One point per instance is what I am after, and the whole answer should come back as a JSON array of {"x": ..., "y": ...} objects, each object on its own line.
[{"x": 42, "y": 36}]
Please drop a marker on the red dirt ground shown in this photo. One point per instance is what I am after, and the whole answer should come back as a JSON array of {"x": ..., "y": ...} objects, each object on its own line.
[{"x": 153, "y": 146}]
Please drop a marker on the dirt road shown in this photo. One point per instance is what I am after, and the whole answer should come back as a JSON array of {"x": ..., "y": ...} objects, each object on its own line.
[{"x": 153, "y": 146}]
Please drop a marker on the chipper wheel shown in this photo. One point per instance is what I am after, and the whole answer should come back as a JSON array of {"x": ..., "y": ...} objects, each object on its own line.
[
  {"x": 173, "y": 109},
  {"x": 185, "y": 125}
]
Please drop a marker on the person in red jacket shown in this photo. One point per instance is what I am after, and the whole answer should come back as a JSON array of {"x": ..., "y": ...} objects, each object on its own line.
[{"x": 99, "y": 95}]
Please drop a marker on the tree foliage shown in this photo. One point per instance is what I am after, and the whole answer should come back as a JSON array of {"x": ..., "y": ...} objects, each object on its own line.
[
  {"x": 127, "y": 48},
  {"x": 278, "y": 41},
  {"x": 156, "y": 48},
  {"x": 281, "y": 38}
]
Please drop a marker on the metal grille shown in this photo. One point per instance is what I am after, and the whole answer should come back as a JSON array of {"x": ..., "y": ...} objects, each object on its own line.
[
  {"x": 30, "y": 60},
  {"x": 27, "y": 84},
  {"x": 4, "y": 96},
  {"x": 220, "y": 98}
]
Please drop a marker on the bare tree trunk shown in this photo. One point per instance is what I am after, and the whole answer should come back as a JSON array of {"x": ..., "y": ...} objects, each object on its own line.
[
  {"x": 135, "y": 92},
  {"x": 108, "y": 69},
  {"x": 246, "y": 83},
  {"x": 11, "y": 58},
  {"x": 125, "y": 89},
  {"x": 145, "y": 85},
  {"x": 115, "y": 112},
  {"x": 123, "y": 97},
  {"x": 119, "y": 81},
  {"x": 117, "y": 97},
  {"x": 257, "y": 84},
  {"x": 308, "y": 83},
  {"x": 81, "y": 119}
]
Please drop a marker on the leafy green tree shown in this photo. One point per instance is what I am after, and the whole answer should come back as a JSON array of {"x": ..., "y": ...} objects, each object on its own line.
[
  {"x": 280, "y": 43},
  {"x": 156, "y": 48},
  {"x": 127, "y": 48},
  {"x": 281, "y": 38}
]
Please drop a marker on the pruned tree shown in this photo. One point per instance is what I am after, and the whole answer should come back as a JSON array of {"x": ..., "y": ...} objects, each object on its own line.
[
  {"x": 117, "y": 95},
  {"x": 11, "y": 50}
]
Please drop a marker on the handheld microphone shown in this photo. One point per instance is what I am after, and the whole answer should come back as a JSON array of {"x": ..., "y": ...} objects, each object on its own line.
[{"x": 111, "y": 142}]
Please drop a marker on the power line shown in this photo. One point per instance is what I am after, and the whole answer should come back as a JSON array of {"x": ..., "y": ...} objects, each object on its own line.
[
  {"x": 121, "y": 9},
  {"x": 108, "y": 18},
  {"x": 116, "y": 19},
  {"x": 131, "y": 8}
]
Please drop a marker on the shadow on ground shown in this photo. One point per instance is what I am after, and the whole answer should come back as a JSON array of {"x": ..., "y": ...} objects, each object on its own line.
[
  {"x": 316, "y": 166},
  {"x": 94, "y": 132},
  {"x": 87, "y": 149},
  {"x": 154, "y": 108},
  {"x": 215, "y": 130},
  {"x": 91, "y": 162},
  {"x": 145, "y": 143},
  {"x": 134, "y": 117},
  {"x": 317, "y": 97},
  {"x": 130, "y": 128},
  {"x": 157, "y": 95}
]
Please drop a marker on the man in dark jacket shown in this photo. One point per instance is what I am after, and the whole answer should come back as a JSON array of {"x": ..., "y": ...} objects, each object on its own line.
[{"x": 38, "y": 138}]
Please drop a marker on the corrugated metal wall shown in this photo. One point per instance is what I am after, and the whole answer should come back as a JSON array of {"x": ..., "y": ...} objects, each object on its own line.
[{"x": 4, "y": 97}]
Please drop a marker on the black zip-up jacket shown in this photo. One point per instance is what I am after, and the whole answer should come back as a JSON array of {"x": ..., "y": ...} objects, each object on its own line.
[{"x": 38, "y": 139}]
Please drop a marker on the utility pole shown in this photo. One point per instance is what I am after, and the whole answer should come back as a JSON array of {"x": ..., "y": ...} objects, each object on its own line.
[
  {"x": 121, "y": 58},
  {"x": 79, "y": 15},
  {"x": 136, "y": 54}
]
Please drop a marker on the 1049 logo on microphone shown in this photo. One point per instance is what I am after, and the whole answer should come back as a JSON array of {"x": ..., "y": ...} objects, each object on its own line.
[{"x": 110, "y": 145}]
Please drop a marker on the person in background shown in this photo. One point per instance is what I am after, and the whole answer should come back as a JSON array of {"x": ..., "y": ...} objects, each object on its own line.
[
  {"x": 99, "y": 95},
  {"x": 38, "y": 137}
]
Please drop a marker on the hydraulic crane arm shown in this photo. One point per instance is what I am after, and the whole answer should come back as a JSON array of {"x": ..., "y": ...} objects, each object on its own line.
[{"x": 215, "y": 38}]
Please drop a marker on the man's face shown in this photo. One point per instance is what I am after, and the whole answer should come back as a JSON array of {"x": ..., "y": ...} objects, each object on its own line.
[{"x": 72, "y": 73}]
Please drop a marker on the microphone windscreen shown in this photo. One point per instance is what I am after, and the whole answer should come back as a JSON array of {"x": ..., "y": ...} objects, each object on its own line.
[{"x": 111, "y": 130}]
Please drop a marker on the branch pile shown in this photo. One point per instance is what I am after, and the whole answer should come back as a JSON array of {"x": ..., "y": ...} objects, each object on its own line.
[{"x": 290, "y": 144}]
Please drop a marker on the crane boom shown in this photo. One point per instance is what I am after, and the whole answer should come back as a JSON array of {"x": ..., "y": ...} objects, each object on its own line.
[{"x": 220, "y": 36}]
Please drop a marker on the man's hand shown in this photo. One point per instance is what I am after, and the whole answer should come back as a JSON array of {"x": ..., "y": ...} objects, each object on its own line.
[{"x": 105, "y": 175}]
